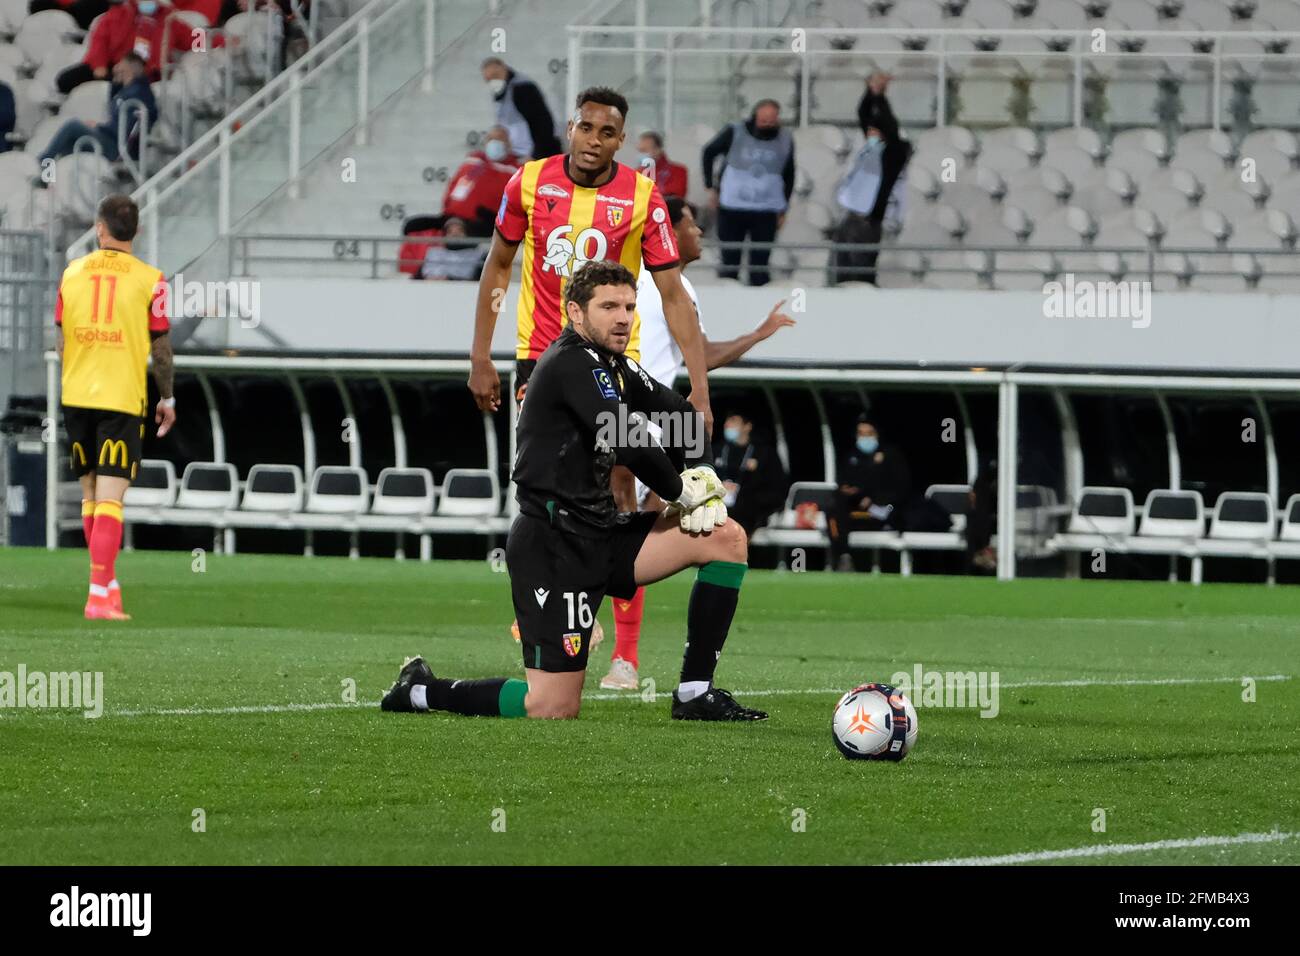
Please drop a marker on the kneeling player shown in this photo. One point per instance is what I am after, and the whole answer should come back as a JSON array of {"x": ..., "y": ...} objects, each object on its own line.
[{"x": 584, "y": 411}]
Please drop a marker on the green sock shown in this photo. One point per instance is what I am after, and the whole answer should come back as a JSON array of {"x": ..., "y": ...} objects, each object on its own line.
[{"x": 708, "y": 617}]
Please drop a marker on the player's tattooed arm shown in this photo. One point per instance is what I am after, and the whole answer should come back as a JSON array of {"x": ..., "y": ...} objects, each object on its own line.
[{"x": 163, "y": 363}]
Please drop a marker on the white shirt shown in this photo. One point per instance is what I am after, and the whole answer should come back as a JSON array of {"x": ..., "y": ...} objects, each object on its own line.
[{"x": 660, "y": 355}]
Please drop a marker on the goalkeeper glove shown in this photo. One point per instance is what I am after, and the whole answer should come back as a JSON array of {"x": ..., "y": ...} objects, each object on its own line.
[{"x": 700, "y": 503}]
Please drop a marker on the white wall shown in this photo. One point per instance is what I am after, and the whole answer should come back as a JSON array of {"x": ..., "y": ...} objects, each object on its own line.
[{"x": 1247, "y": 332}]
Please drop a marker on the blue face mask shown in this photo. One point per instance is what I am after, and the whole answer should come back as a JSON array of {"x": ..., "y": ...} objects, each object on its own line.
[
  {"x": 868, "y": 445},
  {"x": 147, "y": 7},
  {"x": 495, "y": 150},
  {"x": 731, "y": 434},
  {"x": 873, "y": 142}
]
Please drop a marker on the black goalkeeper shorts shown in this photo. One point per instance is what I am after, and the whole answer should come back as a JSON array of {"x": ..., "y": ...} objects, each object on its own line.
[
  {"x": 105, "y": 442},
  {"x": 559, "y": 579}
]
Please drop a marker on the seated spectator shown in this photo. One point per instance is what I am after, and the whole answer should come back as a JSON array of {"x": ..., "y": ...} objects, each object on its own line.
[
  {"x": 129, "y": 83},
  {"x": 474, "y": 191},
  {"x": 751, "y": 472},
  {"x": 128, "y": 26},
  {"x": 875, "y": 484},
  {"x": 83, "y": 11},
  {"x": 670, "y": 177},
  {"x": 455, "y": 256}
]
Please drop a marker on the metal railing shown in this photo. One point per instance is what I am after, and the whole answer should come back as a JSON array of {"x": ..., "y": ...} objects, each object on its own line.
[
  {"x": 376, "y": 257},
  {"x": 933, "y": 54},
  {"x": 27, "y": 287},
  {"x": 344, "y": 58}
]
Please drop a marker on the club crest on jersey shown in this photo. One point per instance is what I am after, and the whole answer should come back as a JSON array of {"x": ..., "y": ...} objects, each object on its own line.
[
  {"x": 604, "y": 384},
  {"x": 614, "y": 215},
  {"x": 573, "y": 643}
]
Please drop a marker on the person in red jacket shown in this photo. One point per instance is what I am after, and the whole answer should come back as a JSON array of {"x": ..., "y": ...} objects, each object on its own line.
[
  {"x": 110, "y": 40},
  {"x": 474, "y": 192},
  {"x": 128, "y": 26},
  {"x": 670, "y": 177}
]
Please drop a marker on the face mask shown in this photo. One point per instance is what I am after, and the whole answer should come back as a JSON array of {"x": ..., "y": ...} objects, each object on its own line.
[
  {"x": 868, "y": 445},
  {"x": 731, "y": 434},
  {"x": 873, "y": 142},
  {"x": 495, "y": 150},
  {"x": 495, "y": 86},
  {"x": 147, "y": 7},
  {"x": 647, "y": 162}
]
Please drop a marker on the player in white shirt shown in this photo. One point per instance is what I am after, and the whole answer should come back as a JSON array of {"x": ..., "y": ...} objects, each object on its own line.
[{"x": 661, "y": 357}]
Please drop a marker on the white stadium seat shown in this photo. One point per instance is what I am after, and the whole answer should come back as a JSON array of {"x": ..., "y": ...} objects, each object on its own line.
[
  {"x": 469, "y": 492},
  {"x": 275, "y": 488},
  {"x": 154, "y": 485},
  {"x": 338, "y": 490},
  {"x": 403, "y": 491},
  {"x": 208, "y": 486}
]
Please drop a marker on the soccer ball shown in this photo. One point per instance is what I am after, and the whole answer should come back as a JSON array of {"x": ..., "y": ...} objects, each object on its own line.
[{"x": 874, "y": 722}]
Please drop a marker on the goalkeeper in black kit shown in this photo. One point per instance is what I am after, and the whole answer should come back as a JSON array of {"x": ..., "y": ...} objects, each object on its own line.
[{"x": 585, "y": 411}]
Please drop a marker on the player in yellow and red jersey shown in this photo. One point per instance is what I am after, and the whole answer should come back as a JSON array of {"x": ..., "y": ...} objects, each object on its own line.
[
  {"x": 566, "y": 210},
  {"x": 112, "y": 315}
]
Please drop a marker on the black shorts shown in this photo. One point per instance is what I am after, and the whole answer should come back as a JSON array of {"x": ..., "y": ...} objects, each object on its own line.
[
  {"x": 102, "y": 441},
  {"x": 558, "y": 580},
  {"x": 523, "y": 372}
]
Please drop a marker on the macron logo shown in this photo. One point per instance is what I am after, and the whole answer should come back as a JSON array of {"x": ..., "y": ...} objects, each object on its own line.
[
  {"x": 541, "y": 594},
  {"x": 102, "y": 909}
]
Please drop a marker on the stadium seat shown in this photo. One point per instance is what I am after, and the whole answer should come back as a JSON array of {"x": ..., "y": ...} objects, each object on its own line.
[
  {"x": 154, "y": 485},
  {"x": 338, "y": 490},
  {"x": 1242, "y": 516},
  {"x": 276, "y": 488},
  {"x": 469, "y": 492},
  {"x": 1173, "y": 514},
  {"x": 1103, "y": 518},
  {"x": 783, "y": 529},
  {"x": 403, "y": 491},
  {"x": 208, "y": 486}
]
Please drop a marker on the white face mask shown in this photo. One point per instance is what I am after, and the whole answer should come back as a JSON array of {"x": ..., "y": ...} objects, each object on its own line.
[
  {"x": 496, "y": 85},
  {"x": 495, "y": 150}
]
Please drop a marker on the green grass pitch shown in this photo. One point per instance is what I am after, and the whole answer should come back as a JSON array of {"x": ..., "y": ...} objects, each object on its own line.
[{"x": 196, "y": 716}]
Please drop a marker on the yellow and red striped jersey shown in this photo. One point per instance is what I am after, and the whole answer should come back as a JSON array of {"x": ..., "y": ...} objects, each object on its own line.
[
  {"x": 562, "y": 225},
  {"x": 109, "y": 302}
]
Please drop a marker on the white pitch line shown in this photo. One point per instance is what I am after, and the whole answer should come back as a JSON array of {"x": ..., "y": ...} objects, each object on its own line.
[
  {"x": 635, "y": 696},
  {"x": 1108, "y": 849}
]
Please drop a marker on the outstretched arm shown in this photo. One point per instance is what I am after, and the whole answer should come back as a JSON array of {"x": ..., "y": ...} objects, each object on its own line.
[
  {"x": 718, "y": 354},
  {"x": 684, "y": 324}
]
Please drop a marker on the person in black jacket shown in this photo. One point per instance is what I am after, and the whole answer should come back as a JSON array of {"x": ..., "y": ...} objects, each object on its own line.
[
  {"x": 874, "y": 485},
  {"x": 521, "y": 109},
  {"x": 865, "y": 215},
  {"x": 8, "y": 116},
  {"x": 751, "y": 472}
]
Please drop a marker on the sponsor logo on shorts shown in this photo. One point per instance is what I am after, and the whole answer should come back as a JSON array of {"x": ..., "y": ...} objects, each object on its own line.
[
  {"x": 541, "y": 594},
  {"x": 573, "y": 643}
]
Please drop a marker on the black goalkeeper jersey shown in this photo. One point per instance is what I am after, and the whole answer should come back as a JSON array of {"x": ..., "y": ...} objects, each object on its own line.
[{"x": 585, "y": 410}]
